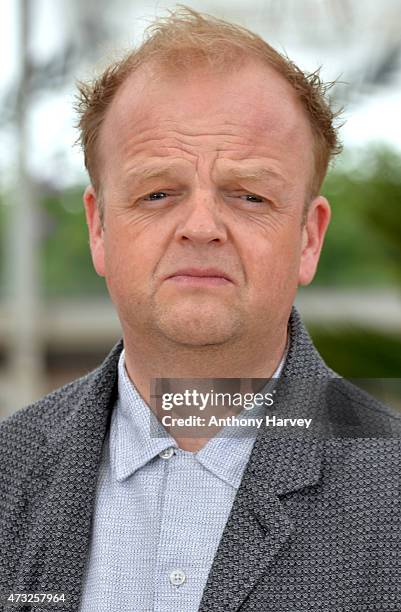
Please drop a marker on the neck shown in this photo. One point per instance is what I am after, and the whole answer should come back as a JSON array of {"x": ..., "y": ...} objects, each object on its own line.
[{"x": 147, "y": 359}]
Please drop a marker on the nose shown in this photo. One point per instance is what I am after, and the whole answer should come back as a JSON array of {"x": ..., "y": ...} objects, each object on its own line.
[{"x": 202, "y": 222}]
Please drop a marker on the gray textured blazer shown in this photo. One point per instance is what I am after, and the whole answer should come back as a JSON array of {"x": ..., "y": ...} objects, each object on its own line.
[{"x": 315, "y": 525}]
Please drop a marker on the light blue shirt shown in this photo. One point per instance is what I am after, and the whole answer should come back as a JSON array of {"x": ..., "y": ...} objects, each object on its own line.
[{"x": 159, "y": 511}]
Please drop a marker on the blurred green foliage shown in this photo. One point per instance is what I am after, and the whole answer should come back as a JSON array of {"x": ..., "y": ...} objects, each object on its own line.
[
  {"x": 362, "y": 248},
  {"x": 67, "y": 268},
  {"x": 363, "y": 242},
  {"x": 357, "y": 352}
]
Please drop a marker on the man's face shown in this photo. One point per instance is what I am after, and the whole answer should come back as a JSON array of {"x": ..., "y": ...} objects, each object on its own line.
[{"x": 205, "y": 133}]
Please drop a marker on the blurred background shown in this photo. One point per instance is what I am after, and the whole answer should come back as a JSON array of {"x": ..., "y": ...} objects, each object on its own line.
[{"x": 56, "y": 320}]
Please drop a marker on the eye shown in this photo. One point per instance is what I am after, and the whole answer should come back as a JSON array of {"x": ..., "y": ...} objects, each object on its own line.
[
  {"x": 252, "y": 195},
  {"x": 247, "y": 199},
  {"x": 150, "y": 197},
  {"x": 242, "y": 196}
]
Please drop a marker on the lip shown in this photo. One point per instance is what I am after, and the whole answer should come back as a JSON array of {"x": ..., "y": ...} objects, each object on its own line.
[{"x": 212, "y": 275}]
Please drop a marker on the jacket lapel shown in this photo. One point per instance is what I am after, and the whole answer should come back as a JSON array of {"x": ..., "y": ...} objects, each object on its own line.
[{"x": 258, "y": 526}]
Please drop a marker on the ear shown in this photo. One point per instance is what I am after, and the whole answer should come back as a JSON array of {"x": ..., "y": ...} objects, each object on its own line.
[
  {"x": 313, "y": 233},
  {"x": 96, "y": 232}
]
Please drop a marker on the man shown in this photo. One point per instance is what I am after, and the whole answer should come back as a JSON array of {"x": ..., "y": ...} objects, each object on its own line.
[{"x": 206, "y": 151}]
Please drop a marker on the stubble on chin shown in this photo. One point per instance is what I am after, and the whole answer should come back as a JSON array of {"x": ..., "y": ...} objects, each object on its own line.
[{"x": 196, "y": 324}]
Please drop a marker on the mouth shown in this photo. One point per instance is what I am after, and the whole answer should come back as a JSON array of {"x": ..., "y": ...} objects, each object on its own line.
[{"x": 209, "y": 277}]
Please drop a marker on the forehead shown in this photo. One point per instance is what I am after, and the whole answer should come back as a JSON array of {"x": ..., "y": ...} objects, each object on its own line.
[{"x": 249, "y": 112}]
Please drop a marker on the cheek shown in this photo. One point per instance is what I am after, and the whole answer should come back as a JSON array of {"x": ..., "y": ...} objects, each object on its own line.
[
  {"x": 131, "y": 255},
  {"x": 274, "y": 264}
]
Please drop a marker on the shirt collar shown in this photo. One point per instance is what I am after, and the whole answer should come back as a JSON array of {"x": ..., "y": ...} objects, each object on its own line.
[
  {"x": 227, "y": 453},
  {"x": 137, "y": 436}
]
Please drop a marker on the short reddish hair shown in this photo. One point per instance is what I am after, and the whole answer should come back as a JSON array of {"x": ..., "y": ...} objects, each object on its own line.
[{"x": 186, "y": 38}]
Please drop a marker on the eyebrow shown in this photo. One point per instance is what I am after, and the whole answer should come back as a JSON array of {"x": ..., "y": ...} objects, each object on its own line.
[
  {"x": 262, "y": 173},
  {"x": 149, "y": 172}
]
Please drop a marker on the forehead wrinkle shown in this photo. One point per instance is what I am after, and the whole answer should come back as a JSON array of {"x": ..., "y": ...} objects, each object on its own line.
[
  {"x": 182, "y": 140},
  {"x": 146, "y": 130},
  {"x": 192, "y": 127}
]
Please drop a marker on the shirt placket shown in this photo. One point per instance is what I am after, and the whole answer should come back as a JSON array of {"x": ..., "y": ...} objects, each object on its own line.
[{"x": 174, "y": 586}]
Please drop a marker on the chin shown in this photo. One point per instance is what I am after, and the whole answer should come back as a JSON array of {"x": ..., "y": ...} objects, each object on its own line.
[{"x": 200, "y": 328}]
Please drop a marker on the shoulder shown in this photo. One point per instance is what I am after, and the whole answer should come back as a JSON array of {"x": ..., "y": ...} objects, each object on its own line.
[
  {"x": 49, "y": 411},
  {"x": 25, "y": 452},
  {"x": 356, "y": 413},
  {"x": 39, "y": 428}
]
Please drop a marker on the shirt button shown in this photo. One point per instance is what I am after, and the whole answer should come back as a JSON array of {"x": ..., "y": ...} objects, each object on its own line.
[
  {"x": 177, "y": 577},
  {"x": 167, "y": 453}
]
